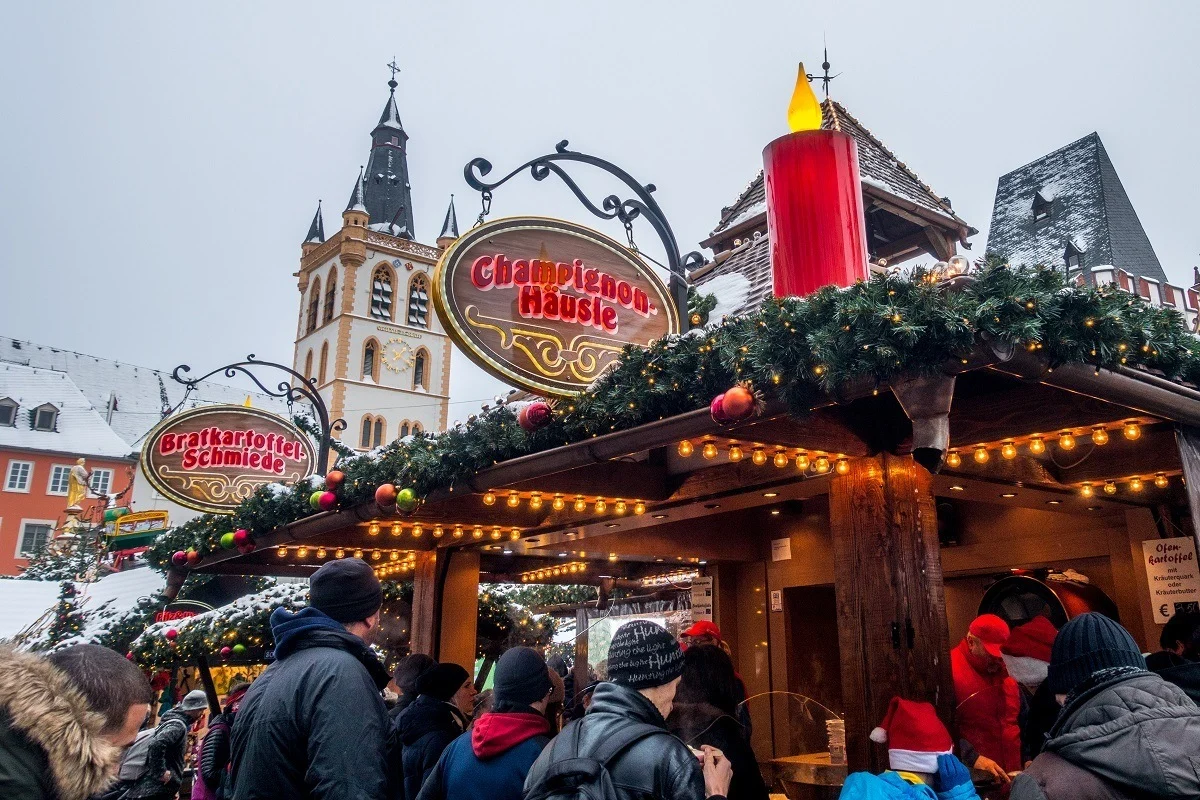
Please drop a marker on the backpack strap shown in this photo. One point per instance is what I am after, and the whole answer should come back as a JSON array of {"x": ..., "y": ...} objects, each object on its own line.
[{"x": 623, "y": 740}]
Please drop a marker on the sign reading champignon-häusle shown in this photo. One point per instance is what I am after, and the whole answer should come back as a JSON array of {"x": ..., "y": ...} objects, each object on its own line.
[
  {"x": 214, "y": 457},
  {"x": 546, "y": 304}
]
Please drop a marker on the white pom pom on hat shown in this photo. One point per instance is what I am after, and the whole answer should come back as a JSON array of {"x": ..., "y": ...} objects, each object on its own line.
[{"x": 879, "y": 735}]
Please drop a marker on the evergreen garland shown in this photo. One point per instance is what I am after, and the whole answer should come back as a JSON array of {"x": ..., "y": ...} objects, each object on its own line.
[{"x": 791, "y": 349}]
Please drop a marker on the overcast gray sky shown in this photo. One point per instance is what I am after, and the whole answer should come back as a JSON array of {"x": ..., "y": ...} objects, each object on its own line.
[{"x": 160, "y": 162}]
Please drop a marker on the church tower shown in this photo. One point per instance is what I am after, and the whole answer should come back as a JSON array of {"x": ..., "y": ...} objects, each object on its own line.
[{"x": 366, "y": 331}]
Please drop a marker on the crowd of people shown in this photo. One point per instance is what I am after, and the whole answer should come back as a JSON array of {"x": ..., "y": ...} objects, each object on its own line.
[{"x": 1048, "y": 714}]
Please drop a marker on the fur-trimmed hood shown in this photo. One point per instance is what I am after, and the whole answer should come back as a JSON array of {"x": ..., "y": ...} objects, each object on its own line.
[{"x": 42, "y": 704}]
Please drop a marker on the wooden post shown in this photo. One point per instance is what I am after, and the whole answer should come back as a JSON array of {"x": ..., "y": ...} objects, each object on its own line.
[
  {"x": 891, "y": 611},
  {"x": 424, "y": 619},
  {"x": 581, "y": 654},
  {"x": 1189, "y": 453},
  {"x": 459, "y": 609},
  {"x": 210, "y": 688}
]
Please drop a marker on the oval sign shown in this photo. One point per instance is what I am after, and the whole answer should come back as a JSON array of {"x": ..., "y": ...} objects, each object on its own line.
[
  {"x": 546, "y": 304},
  {"x": 214, "y": 457}
]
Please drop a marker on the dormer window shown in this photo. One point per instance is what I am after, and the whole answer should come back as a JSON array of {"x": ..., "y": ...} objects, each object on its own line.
[
  {"x": 1073, "y": 256},
  {"x": 8, "y": 412},
  {"x": 1042, "y": 205},
  {"x": 45, "y": 417}
]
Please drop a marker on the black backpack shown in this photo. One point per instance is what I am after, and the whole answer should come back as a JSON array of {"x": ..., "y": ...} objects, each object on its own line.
[{"x": 571, "y": 776}]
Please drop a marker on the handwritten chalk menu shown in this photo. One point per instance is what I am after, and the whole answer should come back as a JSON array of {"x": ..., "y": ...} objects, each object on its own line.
[{"x": 1173, "y": 576}]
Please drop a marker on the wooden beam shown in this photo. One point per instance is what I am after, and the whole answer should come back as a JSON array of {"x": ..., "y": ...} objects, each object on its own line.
[
  {"x": 423, "y": 606},
  {"x": 1189, "y": 453},
  {"x": 580, "y": 667},
  {"x": 940, "y": 245},
  {"x": 820, "y": 430},
  {"x": 614, "y": 478},
  {"x": 459, "y": 609},
  {"x": 903, "y": 245},
  {"x": 891, "y": 611}
]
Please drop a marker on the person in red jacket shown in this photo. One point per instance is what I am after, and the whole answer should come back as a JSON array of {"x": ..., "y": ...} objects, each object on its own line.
[{"x": 988, "y": 700}]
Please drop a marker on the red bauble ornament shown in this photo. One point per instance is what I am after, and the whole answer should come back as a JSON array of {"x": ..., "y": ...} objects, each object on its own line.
[
  {"x": 241, "y": 536},
  {"x": 534, "y": 416},
  {"x": 179, "y": 558},
  {"x": 385, "y": 495},
  {"x": 717, "y": 412},
  {"x": 129, "y": 655},
  {"x": 737, "y": 403},
  {"x": 334, "y": 479},
  {"x": 171, "y": 634},
  {"x": 192, "y": 557},
  {"x": 226, "y": 651},
  {"x": 327, "y": 500}
]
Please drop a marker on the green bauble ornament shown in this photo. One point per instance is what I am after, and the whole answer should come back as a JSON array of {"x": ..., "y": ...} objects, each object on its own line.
[
  {"x": 227, "y": 541},
  {"x": 238, "y": 649},
  {"x": 406, "y": 499},
  {"x": 314, "y": 500}
]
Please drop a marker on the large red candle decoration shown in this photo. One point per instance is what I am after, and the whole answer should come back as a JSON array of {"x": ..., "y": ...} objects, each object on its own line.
[{"x": 814, "y": 202}]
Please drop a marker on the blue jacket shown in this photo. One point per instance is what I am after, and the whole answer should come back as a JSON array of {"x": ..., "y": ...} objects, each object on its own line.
[
  {"x": 490, "y": 761},
  {"x": 890, "y": 786}
]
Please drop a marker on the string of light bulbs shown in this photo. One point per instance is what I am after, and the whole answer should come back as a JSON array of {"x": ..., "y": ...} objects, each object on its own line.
[
  {"x": 456, "y": 531},
  {"x": 818, "y": 462},
  {"x": 559, "y": 502}
]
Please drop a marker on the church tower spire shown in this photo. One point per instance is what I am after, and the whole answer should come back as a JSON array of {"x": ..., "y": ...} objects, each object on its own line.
[
  {"x": 316, "y": 231},
  {"x": 388, "y": 194},
  {"x": 449, "y": 227}
]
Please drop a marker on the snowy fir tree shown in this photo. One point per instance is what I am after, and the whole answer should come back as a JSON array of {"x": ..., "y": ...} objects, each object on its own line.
[
  {"x": 67, "y": 622},
  {"x": 55, "y": 563}
]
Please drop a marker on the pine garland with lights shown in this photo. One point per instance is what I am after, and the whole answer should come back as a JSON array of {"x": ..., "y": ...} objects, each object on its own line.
[{"x": 791, "y": 349}]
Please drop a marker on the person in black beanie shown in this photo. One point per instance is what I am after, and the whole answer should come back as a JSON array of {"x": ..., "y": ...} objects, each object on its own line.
[
  {"x": 1123, "y": 732},
  {"x": 445, "y": 695},
  {"x": 491, "y": 760},
  {"x": 628, "y": 715},
  {"x": 314, "y": 725}
]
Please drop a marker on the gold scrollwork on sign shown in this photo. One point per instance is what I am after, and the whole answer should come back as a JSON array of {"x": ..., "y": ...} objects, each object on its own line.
[
  {"x": 213, "y": 487},
  {"x": 585, "y": 357}
]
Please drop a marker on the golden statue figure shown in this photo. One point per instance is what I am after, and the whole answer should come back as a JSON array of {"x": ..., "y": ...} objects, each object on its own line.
[{"x": 77, "y": 485}]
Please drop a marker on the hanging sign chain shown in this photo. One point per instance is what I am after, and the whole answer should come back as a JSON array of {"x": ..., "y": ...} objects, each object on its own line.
[{"x": 485, "y": 198}]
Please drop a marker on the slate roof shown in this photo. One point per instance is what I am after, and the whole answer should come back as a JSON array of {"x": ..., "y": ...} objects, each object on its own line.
[
  {"x": 316, "y": 231},
  {"x": 450, "y": 225},
  {"x": 742, "y": 281},
  {"x": 878, "y": 166},
  {"x": 1088, "y": 205},
  {"x": 80, "y": 429},
  {"x": 357, "y": 201},
  {"x": 141, "y": 393},
  {"x": 387, "y": 193}
]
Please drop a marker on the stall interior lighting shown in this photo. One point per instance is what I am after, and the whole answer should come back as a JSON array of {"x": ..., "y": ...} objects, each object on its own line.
[
  {"x": 395, "y": 557},
  {"x": 557, "y": 571},
  {"x": 418, "y": 529},
  {"x": 671, "y": 578},
  {"x": 580, "y": 503},
  {"x": 805, "y": 460}
]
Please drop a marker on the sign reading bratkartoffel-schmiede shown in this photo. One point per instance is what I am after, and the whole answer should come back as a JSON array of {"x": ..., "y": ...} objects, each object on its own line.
[
  {"x": 214, "y": 457},
  {"x": 547, "y": 304}
]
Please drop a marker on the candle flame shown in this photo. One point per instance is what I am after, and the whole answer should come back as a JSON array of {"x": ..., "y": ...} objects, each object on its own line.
[{"x": 804, "y": 112}]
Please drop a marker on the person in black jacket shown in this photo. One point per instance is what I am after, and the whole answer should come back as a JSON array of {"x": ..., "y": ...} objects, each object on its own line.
[
  {"x": 405, "y": 676},
  {"x": 644, "y": 665},
  {"x": 313, "y": 725},
  {"x": 445, "y": 700},
  {"x": 214, "y": 751},
  {"x": 163, "y": 772},
  {"x": 705, "y": 712},
  {"x": 1179, "y": 660}
]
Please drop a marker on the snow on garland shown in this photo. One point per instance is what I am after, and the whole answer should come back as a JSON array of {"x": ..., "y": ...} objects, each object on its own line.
[{"x": 791, "y": 349}]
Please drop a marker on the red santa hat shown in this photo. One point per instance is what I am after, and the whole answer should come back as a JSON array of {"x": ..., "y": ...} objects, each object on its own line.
[
  {"x": 1031, "y": 640},
  {"x": 914, "y": 735}
]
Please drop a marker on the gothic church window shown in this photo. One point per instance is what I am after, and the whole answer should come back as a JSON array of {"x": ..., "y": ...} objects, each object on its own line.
[
  {"x": 330, "y": 295},
  {"x": 314, "y": 305},
  {"x": 418, "y": 301},
  {"x": 308, "y": 366},
  {"x": 381, "y": 294},
  {"x": 370, "y": 362},
  {"x": 403, "y": 429},
  {"x": 321, "y": 368},
  {"x": 419, "y": 368}
]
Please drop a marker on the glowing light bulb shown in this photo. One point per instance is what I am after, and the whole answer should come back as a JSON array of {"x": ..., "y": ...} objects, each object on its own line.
[
  {"x": 1131, "y": 430},
  {"x": 302, "y": 552},
  {"x": 1135, "y": 484},
  {"x": 580, "y": 503},
  {"x": 438, "y": 531},
  {"x": 601, "y": 506},
  {"x": 458, "y": 531},
  {"x": 393, "y": 556},
  {"x": 1087, "y": 490},
  {"x": 417, "y": 530},
  {"x": 496, "y": 532},
  {"x": 535, "y": 500},
  {"x": 685, "y": 448},
  {"x": 558, "y": 503},
  {"x": 339, "y": 553},
  {"x": 842, "y": 466},
  {"x": 620, "y": 506},
  {"x": 1110, "y": 487},
  {"x": 759, "y": 456},
  {"x": 1008, "y": 450},
  {"x": 822, "y": 465},
  {"x": 376, "y": 555},
  {"x": 358, "y": 553},
  {"x": 781, "y": 459},
  {"x": 1099, "y": 435},
  {"x": 612, "y": 556},
  {"x": 1066, "y": 441},
  {"x": 953, "y": 459},
  {"x": 281, "y": 552},
  {"x": 373, "y": 529},
  {"x": 639, "y": 507},
  {"x": 981, "y": 455},
  {"x": 1161, "y": 480},
  {"x": 322, "y": 552},
  {"x": 514, "y": 534},
  {"x": 709, "y": 450},
  {"x": 478, "y": 532},
  {"x": 804, "y": 112},
  {"x": 514, "y": 500},
  {"x": 1037, "y": 445},
  {"x": 489, "y": 498},
  {"x": 397, "y": 529},
  {"x": 803, "y": 462},
  {"x": 735, "y": 453}
]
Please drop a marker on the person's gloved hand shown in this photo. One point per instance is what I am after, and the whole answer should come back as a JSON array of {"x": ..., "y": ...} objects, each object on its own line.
[{"x": 951, "y": 773}]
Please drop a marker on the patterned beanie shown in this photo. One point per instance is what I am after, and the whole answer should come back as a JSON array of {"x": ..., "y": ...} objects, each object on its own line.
[{"x": 642, "y": 655}]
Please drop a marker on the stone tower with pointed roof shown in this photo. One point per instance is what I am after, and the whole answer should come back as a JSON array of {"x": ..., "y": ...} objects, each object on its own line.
[{"x": 366, "y": 331}]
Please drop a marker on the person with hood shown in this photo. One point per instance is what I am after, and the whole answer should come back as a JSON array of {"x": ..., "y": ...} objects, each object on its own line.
[
  {"x": 65, "y": 719},
  {"x": 1179, "y": 660},
  {"x": 441, "y": 712},
  {"x": 314, "y": 725},
  {"x": 490, "y": 761},
  {"x": 625, "y": 729},
  {"x": 1027, "y": 658},
  {"x": 212, "y": 766},
  {"x": 920, "y": 754},
  {"x": 162, "y": 774},
  {"x": 405, "y": 676},
  {"x": 1123, "y": 731},
  {"x": 704, "y": 632},
  {"x": 988, "y": 701},
  {"x": 705, "y": 712}
]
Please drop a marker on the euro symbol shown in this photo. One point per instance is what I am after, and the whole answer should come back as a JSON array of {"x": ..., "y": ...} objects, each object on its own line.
[{"x": 1163, "y": 610}]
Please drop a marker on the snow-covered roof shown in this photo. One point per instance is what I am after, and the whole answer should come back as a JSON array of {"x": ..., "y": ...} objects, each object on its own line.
[
  {"x": 742, "y": 281},
  {"x": 111, "y": 596},
  {"x": 140, "y": 393},
  {"x": 24, "y": 603},
  {"x": 79, "y": 429}
]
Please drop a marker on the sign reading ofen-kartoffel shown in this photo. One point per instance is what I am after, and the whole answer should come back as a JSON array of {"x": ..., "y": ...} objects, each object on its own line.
[
  {"x": 546, "y": 304},
  {"x": 213, "y": 458},
  {"x": 1173, "y": 576}
]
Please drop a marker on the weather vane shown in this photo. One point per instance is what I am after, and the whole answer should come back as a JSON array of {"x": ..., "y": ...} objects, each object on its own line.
[
  {"x": 826, "y": 77},
  {"x": 392, "y": 66}
]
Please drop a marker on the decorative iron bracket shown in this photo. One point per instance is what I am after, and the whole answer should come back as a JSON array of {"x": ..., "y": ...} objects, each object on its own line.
[
  {"x": 300, "y": 389},
  {"x": 642, "y": 204}
]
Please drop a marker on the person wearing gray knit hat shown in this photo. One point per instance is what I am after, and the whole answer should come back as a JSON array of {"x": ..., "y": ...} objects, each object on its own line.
[{"x": 1090, "y": 643}]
